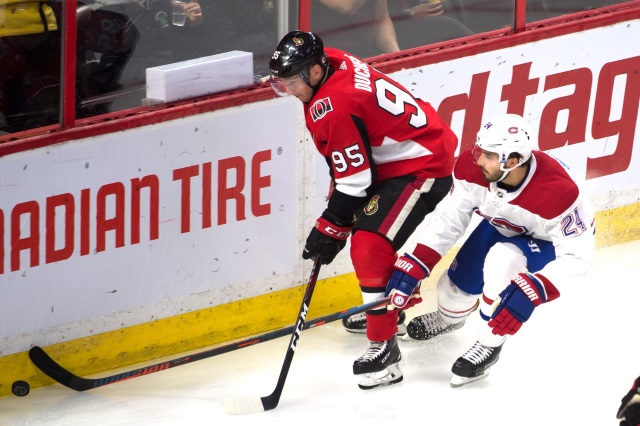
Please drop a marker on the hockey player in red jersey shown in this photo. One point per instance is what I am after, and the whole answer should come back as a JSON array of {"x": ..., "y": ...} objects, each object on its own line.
[
  {"x": 535, "y": 233},
  {"x": 390, "y": 157}
]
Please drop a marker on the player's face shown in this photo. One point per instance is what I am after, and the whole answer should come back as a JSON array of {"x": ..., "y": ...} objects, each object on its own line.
[
  {"x": 489, "y": 162},
  {"x": 292, "y": 86}
]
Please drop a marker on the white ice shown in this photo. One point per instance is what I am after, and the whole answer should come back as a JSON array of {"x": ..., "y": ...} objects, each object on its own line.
[{"x": 569, "y": 365}]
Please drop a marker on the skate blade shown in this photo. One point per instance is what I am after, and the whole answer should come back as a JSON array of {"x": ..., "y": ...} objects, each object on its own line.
[
  {"x": 386, "y": 377},
  {"x": 457, "y": 381},
  {"x": 402, "y": 330}
]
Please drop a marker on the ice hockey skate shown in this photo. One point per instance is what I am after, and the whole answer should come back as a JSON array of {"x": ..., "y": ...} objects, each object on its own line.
[
  {"x": 379, "y": 365},
  {"x": 358, "y": 323},
  {"x": 428, "y": 326},
  {"x": 474, "y": 364}
]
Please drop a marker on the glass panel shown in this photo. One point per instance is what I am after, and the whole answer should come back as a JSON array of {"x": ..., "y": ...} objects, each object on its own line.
[
  {"x": 481, "y": 15},
  {"x": 543, "y": 9},
  {"x": 423, "y": 22},
  {"x": 363, "y": 27},
  {"x": 30, "y": 52},
  {"x": 119, "y": 39}
]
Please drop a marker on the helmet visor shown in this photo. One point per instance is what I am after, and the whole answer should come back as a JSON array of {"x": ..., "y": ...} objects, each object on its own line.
[
  {"x": 286, "y": 86},
  {"x": 476, "y": 151}
]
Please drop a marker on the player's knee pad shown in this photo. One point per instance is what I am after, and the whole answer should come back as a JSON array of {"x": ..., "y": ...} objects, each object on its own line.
[
  {"x": 503, "y": 262},
  {"x": 373, "y": 257},
  {"x": 454, "y": 304}
]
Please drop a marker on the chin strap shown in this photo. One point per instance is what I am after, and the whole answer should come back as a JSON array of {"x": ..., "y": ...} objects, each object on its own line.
[{"x": 506, "y": 171}]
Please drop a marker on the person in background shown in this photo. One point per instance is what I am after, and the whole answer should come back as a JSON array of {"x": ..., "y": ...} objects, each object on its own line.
[
  {"x": 629, "y": 411},
  {"x": 390, "y": 158},
  {"x": 419, "y": 23},
  {"x": 360, "y": 27},
  {"x": 118, "y": 41},
  {"x": 30, "y": 49},
  {"x": 535, "y": 234},
  {"x": 105, "y": 42},
  {"x": 193, "y": 12}
]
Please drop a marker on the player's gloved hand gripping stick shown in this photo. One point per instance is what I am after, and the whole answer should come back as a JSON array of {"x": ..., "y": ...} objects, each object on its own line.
[
  {"x": 326, "y": 239},
  {"x": 403, "y": 287}
]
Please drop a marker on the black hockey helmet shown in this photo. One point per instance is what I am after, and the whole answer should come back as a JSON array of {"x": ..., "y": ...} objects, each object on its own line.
[{"x": 295, "y": 53}]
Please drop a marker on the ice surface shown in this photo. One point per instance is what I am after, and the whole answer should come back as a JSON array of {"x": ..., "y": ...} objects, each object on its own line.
[{"x": 569, "y": 365}]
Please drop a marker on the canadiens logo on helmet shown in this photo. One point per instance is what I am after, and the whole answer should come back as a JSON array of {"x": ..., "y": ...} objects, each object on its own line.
[
  {"x": 320, "y": 108},
  {"x": 372, "y": 207},
  {"x": 513, "y": 130},
  {"x": 298, "y": 41}
]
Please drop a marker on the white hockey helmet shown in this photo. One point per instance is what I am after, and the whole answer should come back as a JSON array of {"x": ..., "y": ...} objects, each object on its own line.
[{"x": 506, "y": 134}]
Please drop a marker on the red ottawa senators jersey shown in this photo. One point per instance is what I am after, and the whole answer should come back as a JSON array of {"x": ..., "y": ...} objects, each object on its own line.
[{"x": 370, "y": 128}]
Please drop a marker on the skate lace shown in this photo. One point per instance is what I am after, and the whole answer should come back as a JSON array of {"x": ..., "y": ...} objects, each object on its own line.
[
  {"x": 374, "y": 351},
  {"x": 478, "y": 353}
]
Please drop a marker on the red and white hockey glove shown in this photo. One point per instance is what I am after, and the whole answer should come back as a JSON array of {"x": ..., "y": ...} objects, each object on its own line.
[
  {"x": 327, "y": 238},
  {"x": 404, "y": 284},
  {"x": 629, "y": 411},
  {"x": 516, "y": 303}
]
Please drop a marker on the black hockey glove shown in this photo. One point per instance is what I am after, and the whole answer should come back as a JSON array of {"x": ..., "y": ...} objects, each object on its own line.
[
  {"x": 629, "y": 411},
  {"x": 327, "y": 238}
]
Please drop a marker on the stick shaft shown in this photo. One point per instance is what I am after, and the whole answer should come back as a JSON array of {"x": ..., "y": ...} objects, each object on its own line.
[{"x": 271, "y": 401}]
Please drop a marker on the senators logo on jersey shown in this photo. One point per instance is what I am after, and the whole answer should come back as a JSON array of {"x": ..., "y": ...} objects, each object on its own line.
[
  {"x": 372, "y": 207},
  {"x": 320, "y": 108}
]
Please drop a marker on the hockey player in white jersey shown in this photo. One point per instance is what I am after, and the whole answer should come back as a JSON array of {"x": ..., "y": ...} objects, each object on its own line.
[{"x": 536, "y": 233}]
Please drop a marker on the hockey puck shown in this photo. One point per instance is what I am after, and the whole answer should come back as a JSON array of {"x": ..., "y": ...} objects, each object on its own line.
[{"x": 20, "y": 388}]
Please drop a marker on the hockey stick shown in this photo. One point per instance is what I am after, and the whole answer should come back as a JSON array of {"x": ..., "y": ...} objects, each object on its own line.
[
  {"x": 55, "y": 371},
  {"x": 269, "y": 402}
]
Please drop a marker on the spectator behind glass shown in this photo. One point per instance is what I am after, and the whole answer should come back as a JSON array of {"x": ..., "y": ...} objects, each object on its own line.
[
  {"x": 30, "y": 64},
  {"x": 105, "y": 43},
  {"x": 122, "y": 38},
  {"x": 417, "y": 23},
  {"x": 158, "y": 43},
  {"x": 360, "y": 27}
]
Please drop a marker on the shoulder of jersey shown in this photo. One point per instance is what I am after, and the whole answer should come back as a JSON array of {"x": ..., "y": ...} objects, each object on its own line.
[
  {"x": 340, "y": 60},
  {"x": 551, "y": 190},
  {"x": 339, "y": 93}
]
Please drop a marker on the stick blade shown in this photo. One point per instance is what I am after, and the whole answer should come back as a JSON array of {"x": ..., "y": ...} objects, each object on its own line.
[
  {"x": 235, "y": 406},
  {"x": 48, "y": 366}
]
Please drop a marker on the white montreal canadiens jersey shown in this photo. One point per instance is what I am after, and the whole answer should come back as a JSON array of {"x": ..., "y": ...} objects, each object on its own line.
[{"x": 548, "y": 205}]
